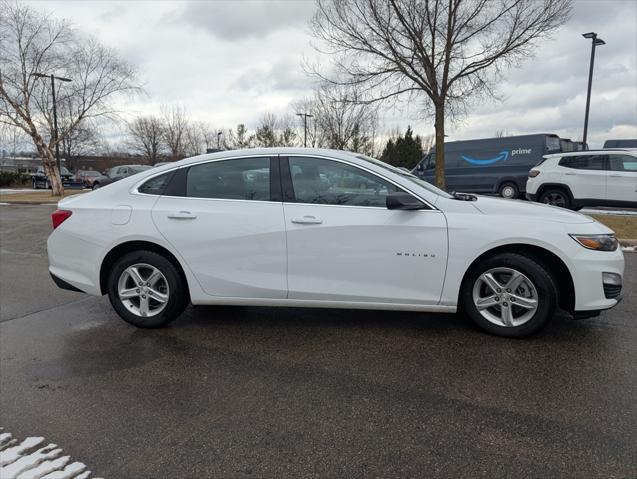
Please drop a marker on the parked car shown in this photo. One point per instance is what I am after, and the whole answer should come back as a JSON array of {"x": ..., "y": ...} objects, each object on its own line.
[
  {"x": 119, "y": 172},
  {"x": 585, "y": 178},
  {"x": 90, "y": 177},
  {"x": 492, "y": 166},
  {"x": 39, "y": 179},
  {"x": 625, "y": 143},
  {"x": 207, "y": 230}
]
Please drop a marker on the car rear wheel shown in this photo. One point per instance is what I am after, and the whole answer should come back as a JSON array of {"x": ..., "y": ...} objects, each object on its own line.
[
  {"x": 96, "y": 185},
  {"x": 509, "y": 295},
  {"x": 509, "y": 191},
  {"x": 556, "y": 197},
  {"x": 146, "y": 289}
]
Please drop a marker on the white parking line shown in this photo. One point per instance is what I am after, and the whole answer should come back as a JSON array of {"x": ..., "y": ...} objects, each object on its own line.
[{"x": 27, "y": 460}]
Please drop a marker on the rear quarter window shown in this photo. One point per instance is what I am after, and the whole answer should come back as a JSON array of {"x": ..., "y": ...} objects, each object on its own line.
[{"x": 156, "y": 185}]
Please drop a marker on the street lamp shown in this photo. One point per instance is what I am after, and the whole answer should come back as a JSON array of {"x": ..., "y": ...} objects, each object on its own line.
[
  {"x": 594, "y": 43},
  {"x": 55, "y": 114},
  {"x": 305, "y": 117}
]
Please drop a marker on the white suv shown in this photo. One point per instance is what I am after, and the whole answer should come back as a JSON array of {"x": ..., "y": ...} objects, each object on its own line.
[{"x": 585, "y": 178}]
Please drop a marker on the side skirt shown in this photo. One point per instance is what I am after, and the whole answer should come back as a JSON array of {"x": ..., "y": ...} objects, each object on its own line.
[{"x": 301, "y": 303}]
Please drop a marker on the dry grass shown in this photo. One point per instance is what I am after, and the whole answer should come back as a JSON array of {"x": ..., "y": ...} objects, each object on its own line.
[
  {"x": 35, "y": 196},
  {"x": 625, "y": 227}
]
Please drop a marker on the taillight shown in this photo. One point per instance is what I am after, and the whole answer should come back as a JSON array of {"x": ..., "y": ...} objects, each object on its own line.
[
  {"x": 533, "y": 173},
  {"x": 60, "y": 216}
]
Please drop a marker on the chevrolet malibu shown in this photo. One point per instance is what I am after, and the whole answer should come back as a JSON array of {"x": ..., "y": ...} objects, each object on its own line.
[{"x": 331, "y": 229}]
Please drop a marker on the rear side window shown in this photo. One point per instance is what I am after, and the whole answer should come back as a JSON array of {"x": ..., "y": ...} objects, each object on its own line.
[
  {"x": 240, "y": 179},
  {"x": 623, "y": 163},
  {"x": 588, "y": 162},
  {"x": 156, "y": 185}
]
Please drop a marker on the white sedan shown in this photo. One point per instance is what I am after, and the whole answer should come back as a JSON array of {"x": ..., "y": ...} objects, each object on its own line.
[{"x": 321, "y": 228}]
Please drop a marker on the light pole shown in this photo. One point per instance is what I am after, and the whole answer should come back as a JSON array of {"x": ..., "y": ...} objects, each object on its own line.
[
  {"x": 594, "y": 43},
  {"x": 218, "y": 138},
  {"x": 55, "y": 114},
  {"x": 305, "y": 117}
]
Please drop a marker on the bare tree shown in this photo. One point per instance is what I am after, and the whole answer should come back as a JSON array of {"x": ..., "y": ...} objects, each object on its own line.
[
  {"x": 146, "y": 136},
  {"x": 450, "y": 51},
  {"x": 32, "y": 42},
  {"x": 12, "y": 140},
  {"x": 344, "y": 122},
  {"x": 275, "y": 131},
  {"x": 175, "y": 122}
]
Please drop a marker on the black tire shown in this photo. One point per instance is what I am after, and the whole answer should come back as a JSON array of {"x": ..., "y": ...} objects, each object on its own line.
[
  {"x": 556, "y": 197},
  {"x": 96, "y": 185},
  {"x": 35, "y": 185},
  {"x": 537, "y": 273},
  {"x": 509, "y": 190},
  {"x": 178, "y": 295}
]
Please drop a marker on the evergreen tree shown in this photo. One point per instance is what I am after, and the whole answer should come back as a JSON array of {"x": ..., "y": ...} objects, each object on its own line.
[{"x": 405, "y": 151}]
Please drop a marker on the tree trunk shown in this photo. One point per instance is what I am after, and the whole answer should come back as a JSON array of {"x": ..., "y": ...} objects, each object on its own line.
[
  {"x": 440, "y": 146},
  {"x": 50, "y": 167}
]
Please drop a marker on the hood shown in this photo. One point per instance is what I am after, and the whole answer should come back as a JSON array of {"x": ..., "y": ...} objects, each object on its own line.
[{"x": 526, "y": 209}]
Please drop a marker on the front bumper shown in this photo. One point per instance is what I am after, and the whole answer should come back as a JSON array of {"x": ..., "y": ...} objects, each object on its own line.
[{"x": 588, "y": 268}]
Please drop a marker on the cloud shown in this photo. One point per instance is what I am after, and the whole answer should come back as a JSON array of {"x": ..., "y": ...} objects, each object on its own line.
[
  {"x": 239, "y": 20},
  {"x": 284, "y": 75}
]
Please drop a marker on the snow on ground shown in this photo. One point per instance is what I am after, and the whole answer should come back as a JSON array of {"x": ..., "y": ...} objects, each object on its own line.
[
  {"x": 630, "y": 249},
  {"x": 594, "y": 211},
  {"x": 29, "y": 460}
]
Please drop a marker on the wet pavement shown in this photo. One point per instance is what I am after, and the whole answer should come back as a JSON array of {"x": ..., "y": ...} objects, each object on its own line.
[{"x": 267, "y": 392}]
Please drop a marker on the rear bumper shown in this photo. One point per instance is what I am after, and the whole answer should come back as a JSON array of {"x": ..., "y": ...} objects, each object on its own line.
[{"x": 63, "y": 284}]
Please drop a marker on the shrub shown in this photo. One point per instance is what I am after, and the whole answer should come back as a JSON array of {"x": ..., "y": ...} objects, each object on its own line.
[{"x": 13, "y": 178}]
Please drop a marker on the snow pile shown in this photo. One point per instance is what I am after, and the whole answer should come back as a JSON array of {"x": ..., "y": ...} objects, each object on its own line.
[
  {"x": 29, "y": 460},
  {"x": 631, "y": 249}
]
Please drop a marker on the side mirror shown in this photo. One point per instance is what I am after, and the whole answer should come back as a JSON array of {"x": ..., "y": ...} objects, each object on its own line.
[{"x": 403, "y": 201}]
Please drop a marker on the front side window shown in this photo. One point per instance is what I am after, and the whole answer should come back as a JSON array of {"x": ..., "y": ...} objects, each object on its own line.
[
  {"x": 588, "y": 162},
  {"x": 240, "y": 179},
  {"x": 623, "y": 163},
  {"x": 327, "y": 182}
]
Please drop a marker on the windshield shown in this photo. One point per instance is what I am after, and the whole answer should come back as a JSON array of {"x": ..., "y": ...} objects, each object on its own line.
[{"x": 409, "y": 176}]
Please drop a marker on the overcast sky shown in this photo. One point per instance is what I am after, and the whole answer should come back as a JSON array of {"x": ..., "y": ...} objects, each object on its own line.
[{"x": 228, "y": 62}]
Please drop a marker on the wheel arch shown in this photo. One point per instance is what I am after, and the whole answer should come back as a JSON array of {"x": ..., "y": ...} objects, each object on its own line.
[
  {"x": 137, "y": 245},
  {"x": 545, "y": 186},
  {"x": 552, "y": 262}
]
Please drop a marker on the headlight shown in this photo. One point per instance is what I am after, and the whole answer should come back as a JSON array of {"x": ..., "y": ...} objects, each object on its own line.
[{"x": 597, "y": 242}]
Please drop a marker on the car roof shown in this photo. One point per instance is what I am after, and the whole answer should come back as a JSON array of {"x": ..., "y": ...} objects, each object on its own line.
[
  {"x": 592, "y": 152},
  {"x": 346, "y": 155}
]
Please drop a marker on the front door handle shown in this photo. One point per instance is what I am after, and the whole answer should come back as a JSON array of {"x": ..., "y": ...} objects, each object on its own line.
[
  {"x": 307, "y": 220},
  {"x": 570, "y": 174},
  {"x": 615, "y": 176},
  {"x": 182, "y": 215}
]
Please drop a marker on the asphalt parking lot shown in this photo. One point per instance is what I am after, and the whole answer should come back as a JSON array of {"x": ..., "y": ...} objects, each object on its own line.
[{"x": 266, "y": 392}]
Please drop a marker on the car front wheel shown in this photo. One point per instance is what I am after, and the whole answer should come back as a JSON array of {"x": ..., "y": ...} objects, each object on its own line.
[
  {"x": 146, "y": 289},
  {"x": 509, "y": 295}
]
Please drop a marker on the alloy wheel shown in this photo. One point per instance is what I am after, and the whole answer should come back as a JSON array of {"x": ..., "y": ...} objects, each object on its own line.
[
  {"x": 505, "y": 297},
  {"x": 143, "y": 290},
  {"x": 555, "y": 199}
]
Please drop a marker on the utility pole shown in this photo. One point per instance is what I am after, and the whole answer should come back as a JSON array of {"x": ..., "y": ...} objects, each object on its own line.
[
  {"x": 218, "y": 138},
  {"x": 594, "y": 43},
  {"x": 305, "y": 117},
  {"x": 55, "y": 115}
]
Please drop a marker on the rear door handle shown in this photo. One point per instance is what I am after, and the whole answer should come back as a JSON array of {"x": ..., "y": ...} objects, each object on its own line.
[
  {"x": 570, "y": 174},
  {"x": 307, "y": 220},
  {"x": 615, "y": 176},
  {"x": 181, "y": 215}
]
